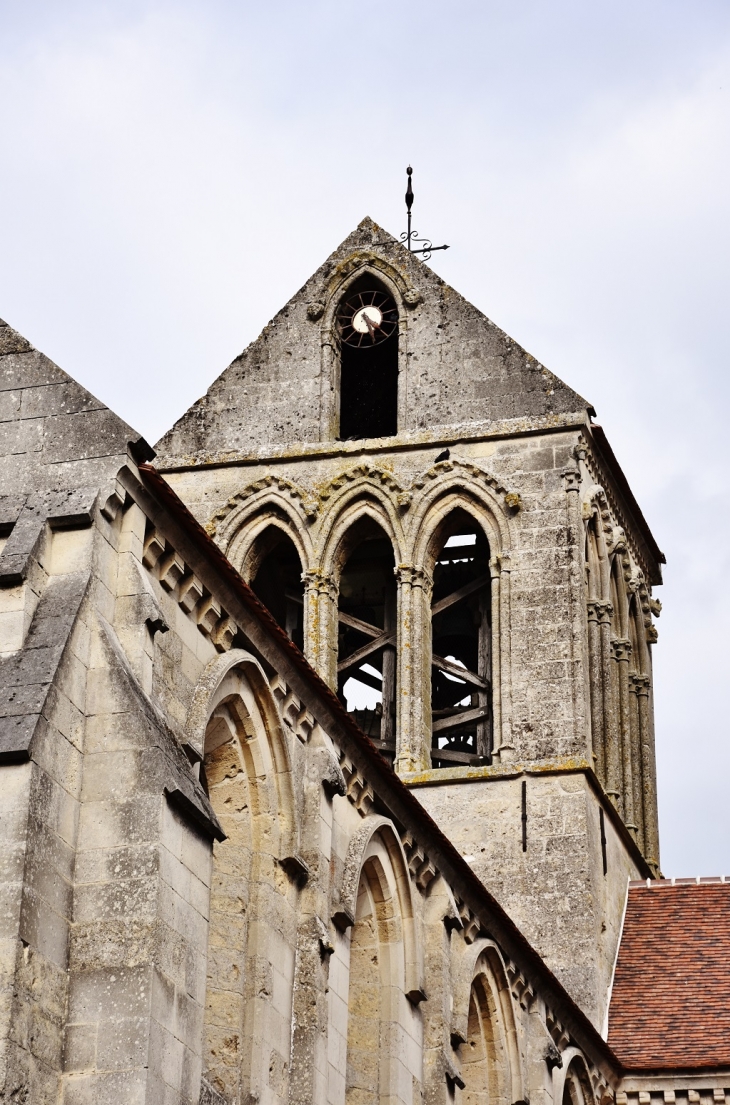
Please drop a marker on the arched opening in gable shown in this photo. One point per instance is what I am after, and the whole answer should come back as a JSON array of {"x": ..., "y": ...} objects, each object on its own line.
[
  {"x": 274, "y": 570},
  {"x": 461, "y": 626},
  {"x": 367, "y": 331},
  {"x": 367, "y": 607}
]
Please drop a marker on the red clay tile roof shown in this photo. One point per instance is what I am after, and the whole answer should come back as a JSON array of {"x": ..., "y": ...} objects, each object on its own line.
[{"x": 670, "y": 1005}]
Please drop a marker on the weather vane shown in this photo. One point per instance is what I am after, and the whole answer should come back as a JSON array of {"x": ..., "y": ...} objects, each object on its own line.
[{"x": 408, "y": 237}]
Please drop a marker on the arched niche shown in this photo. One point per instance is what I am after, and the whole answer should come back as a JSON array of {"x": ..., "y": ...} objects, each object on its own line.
[
  {"x": 596, "y": 559},
  {"x": 381, "y": 1010},
  {"x": 618, "y": 597},
  {"x": 367, "y": 629},
  {"x": 366, "y": 329},
  {"x": 273, "y": 568},
  {"x": 572, "y": 1082},
  {"x": 461, "y": 641},
  {"x": 246, "y": 770},
  {"x": 490, "y": 1060}
]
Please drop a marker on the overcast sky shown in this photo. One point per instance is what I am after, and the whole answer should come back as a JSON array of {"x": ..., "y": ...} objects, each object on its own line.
[{"x": 172, "y": 173}]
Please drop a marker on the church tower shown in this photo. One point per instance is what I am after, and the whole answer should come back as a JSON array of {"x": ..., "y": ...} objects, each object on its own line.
[{"x": 437, "y": 522}]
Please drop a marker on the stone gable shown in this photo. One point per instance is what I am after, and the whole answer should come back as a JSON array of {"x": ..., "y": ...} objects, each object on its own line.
[{"x": 457, "y": 367}]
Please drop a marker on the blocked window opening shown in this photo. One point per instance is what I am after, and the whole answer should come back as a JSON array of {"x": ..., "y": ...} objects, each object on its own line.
[
  {"x": 276, "y": 578},
  {"x": 485, "y": 1059},
  {"x": 367, "y": 638},
  {"x": 461, "y": 624},
  {"x": 367, "y": 329}
]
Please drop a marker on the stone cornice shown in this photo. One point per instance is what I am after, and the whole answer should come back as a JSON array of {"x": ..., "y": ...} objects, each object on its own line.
[
  {"x": 571, "y": 765},
  {"x": 465, "y": 432}
]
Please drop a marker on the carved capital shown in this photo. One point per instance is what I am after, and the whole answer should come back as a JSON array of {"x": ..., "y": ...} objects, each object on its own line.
[
  {"x": 411, "y": 576},
  {"x": 616, "y": 540},
  {"x": 600, "y": 611},
  {"x": 320, "y": 583},
  {"x": 499, "y": 564},
  {"x": 572, "y": 479},
  {"x": 621, "y": 649},
  {"x": 640, "y": 684}
]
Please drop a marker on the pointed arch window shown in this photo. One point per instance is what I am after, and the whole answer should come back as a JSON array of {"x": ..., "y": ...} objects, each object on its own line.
[
  {"x": 366, "y": 668},
  {"x": 367, "y": 331},
  {"x": 461, "y": 626},
  {"x": 274, "y": 571}
]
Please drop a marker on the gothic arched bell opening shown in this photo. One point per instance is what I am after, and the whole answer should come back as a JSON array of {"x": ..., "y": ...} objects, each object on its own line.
[
  {"x": 461, "y": 687},
  {"x": 366, "y": 669},
  {"x": 367, "y": 331},
  {"x": 275, "y": 576}
]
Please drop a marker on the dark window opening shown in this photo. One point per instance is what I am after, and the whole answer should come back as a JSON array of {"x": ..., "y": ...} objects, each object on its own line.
[
  {"x": 461, "y": 678},
  {"x": 276, "y": 578},
  {"x": 366, "y": 666},
  {"x": 367, "y": 328}
]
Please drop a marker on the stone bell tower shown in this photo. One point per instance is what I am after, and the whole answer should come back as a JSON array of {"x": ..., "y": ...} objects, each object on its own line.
[{"x": 436, "y": 520}]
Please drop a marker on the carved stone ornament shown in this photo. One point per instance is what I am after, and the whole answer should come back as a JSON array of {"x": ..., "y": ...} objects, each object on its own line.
[
  {"x": 270, "y": 482},
  {"x": 315, "y": 311}
]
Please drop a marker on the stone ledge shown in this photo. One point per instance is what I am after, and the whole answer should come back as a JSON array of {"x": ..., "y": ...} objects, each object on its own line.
[
  {"x": 438, "y": 436},
  {"x": 440, "y": 776}
]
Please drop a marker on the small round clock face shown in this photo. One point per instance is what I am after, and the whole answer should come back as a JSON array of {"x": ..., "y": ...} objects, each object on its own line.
[{"x": 367, "y": 318}]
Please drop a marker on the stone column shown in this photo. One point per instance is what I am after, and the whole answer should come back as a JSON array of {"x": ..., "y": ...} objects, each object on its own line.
[
  {"x": 390, "y": 673},
  {"x": 611, "y": 728},
  {"x": 648, "y": 770},
  {"x": 320, "y": 623},
  {"x": 621, "y": 653},
  {"x": 413, "y": 710},
  {"x": 495, "y": 676},
  {"x": 576, "y": 586},
  {"x": 599, "y": 615},
  {"x": 502, "y": 659},
  {"x": 635, "y": 680}
]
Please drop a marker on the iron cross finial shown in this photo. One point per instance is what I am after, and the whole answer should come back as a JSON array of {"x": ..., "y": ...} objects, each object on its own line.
[{"x": 408, "y": 237}]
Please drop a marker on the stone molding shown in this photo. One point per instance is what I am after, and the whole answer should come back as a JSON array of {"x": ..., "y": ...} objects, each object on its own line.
[{"x": 171, "y": 571}]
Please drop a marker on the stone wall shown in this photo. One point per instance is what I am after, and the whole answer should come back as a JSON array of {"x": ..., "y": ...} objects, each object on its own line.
[
  {"x": 548, "y": 872},
  {"x": 148, "y": 959},
  {"x": 456, "y": 366}
]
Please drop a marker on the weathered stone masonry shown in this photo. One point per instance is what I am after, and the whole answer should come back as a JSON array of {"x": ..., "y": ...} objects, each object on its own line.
[{"x": 214, "y": 887}]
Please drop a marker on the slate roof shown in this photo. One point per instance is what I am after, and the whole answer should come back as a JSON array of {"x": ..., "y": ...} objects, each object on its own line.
[{"x": 670, "y": 1005}]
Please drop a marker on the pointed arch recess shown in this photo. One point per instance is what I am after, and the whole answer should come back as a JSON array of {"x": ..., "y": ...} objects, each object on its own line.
[
  {"x": 377, "y": 837},
  {"x": 482, "y": 987},
  {"x": 464, "y": 484},
  {"x": 234, "y": 724},
  {"x": 572, "y": 1083},
  {"x": 269, "y": 495},
  {"x": 265, "y": 751},
  {"x": 361, "y": 491},
  {"x": 365, "y": 263}
]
